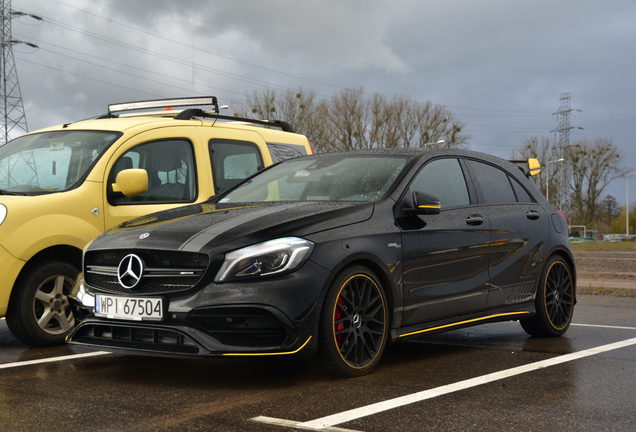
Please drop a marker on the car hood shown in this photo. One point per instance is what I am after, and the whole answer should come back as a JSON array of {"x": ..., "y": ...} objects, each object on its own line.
[{"x": 223, "y": 227}]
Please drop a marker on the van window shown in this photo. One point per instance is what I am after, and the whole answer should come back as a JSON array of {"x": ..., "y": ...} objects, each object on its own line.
[
  {"x": 170, "y": 167},
  {"x": 233, "y": 161}
]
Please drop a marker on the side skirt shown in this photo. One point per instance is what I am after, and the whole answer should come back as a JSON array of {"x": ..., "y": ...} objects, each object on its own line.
[{"x": 494, "y": 315}]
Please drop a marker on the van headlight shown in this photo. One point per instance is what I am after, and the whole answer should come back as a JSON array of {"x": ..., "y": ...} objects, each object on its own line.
[
  {"x": 3, "y": 213},
  {"x": 278, "y": 256}
]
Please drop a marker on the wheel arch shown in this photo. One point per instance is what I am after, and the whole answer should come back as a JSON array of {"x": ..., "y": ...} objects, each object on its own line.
[
  {"x": 569, "y": 260},
  {"x": 65, "y": 253},
  {"x": 379, "y": 271}
]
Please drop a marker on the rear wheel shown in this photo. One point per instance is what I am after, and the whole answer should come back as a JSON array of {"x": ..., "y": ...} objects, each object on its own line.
[
  {"x": 39, "y": 312},
  {"x": 554, "y": 302},
  {"x": 354, "y": 323}
]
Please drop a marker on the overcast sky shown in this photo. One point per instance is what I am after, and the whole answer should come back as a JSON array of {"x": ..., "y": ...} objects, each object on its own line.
[{"x": 499, "y": 65}]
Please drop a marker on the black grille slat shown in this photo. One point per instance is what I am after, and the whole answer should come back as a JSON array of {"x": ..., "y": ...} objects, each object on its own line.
[
  {"x": 240, "y": 326},
  {"x": 165, "y": 271},
  {"x": 135, "y": 338}
]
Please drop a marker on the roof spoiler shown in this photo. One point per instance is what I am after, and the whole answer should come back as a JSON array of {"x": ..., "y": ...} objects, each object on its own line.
[{"x": 530, "y": 167}]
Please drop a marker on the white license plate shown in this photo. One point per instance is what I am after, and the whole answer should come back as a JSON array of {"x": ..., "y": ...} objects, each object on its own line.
[{"x": 129, "y": 308}]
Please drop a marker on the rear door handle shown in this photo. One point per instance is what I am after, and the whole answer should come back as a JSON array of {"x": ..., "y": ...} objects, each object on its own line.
[
  {"x": 532, "y": 215},
  {"x": 475, "y": 219}
]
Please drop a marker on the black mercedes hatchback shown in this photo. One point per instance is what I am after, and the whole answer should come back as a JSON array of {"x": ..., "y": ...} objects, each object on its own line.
[{"x": 338, "y": 254}]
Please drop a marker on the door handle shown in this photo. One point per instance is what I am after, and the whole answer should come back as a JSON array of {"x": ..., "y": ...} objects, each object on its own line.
[
  {"x": 475, "y": 219},
  {"x": 532, "y": 215}
]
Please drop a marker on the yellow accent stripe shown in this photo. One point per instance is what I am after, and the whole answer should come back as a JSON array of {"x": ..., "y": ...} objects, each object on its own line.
[
  {"x": 464, "y": 322},
  {"x": 429, "y": 206},
  {"x": 268, "y": 354}
]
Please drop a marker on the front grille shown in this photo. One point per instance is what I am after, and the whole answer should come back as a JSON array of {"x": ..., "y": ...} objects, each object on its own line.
[
  {"x": 241, "y": 326},
  {"x": 164, "y": 271},
  {"x": 135, "y": 338}
]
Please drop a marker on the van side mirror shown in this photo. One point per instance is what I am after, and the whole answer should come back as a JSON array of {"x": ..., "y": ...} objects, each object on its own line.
[
  {"x": 131, "y": 182},
  {"x": 425, "y": 204}
]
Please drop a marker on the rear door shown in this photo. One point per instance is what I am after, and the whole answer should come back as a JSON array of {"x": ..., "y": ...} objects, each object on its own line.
[{"x": 519, "y": 230}]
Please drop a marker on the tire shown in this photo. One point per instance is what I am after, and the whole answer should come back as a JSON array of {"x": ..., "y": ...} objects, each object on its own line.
[
  {"x": 39, "y": 311},
  {"x": 554, "y": 302},
  {"x": 354, "y": 323}
]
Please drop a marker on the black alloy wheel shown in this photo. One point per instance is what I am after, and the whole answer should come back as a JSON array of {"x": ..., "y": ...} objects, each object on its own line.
[
  {"x": 354, "y": 323},
  {"x": 554, "y": 302}
]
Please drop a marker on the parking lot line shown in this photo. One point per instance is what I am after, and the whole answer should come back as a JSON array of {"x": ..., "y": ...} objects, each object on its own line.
[
  {"x": 52, "y": 359},
  {"x": 354, "y": 414},
  {"x": 605, "y": 326}
]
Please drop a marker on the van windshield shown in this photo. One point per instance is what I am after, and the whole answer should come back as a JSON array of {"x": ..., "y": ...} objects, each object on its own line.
[{"x": 50, "y": 161}]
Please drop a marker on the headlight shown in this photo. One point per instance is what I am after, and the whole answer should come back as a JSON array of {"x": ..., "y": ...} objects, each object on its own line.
[
  {"x": 271, "y": 257},
  {"x": 3, "y": 213}
]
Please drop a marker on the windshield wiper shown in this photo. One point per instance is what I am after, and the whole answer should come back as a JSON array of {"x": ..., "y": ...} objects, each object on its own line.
[{"x": 6, "y": 192}]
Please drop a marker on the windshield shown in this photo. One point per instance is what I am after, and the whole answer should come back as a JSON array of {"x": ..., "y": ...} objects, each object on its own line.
[
  {"x": 50, "y": 161},
  {"x": 322, "y": 178}
]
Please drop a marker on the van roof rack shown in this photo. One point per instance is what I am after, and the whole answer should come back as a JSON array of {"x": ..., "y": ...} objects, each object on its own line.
[{"x": 188, "y": 114}]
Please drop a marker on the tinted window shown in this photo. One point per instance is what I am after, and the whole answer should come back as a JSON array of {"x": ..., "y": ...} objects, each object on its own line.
[
  {"x": 522, "y": 194},
  {"x": 232, "y": 161},
  {"x": 170, "y": 167},
  {"x": 493, "y": 183},
  {"x": 444, "y": 179}
]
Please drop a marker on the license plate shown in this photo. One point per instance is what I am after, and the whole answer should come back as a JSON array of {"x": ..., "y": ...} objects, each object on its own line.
[{"x": 129, "y": 308}]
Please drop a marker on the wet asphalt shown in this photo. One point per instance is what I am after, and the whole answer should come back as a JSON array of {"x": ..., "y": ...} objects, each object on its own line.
[{"x": 113, "y": 392}]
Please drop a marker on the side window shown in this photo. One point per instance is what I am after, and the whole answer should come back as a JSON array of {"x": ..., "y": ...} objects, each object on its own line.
[
  {"x": 494, "y": 183},
  {"x": 444, "y": 179},
  {"x": 232, "y": 161},
  {"x": 522, "y": 194},
  {"x": 170, "y": 167},
  {"x": 280, "y": 152}
]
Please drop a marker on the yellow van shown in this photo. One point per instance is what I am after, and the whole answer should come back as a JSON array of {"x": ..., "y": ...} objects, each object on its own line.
[{"x": 62, "y": 186}]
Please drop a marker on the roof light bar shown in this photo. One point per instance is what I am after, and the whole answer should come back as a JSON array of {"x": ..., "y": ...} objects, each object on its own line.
[{"x": 163, "y": 103}]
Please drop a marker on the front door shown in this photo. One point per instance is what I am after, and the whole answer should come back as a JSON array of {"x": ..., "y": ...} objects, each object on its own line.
[{"x": 446, "y": 256}]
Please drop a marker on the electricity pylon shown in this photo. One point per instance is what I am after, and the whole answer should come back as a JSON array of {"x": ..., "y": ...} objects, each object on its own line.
[
  {"x": 11, "y": 106},
  {"x": 563, "y": 116}
]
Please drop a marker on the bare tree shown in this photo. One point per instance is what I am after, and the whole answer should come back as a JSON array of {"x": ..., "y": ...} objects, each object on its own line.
[
  {"x": 545, "y": 150},
  {"x": 351, "y": 120},
  {"x": 594, "y": 165},
  {"x": 437, "y": 123}
]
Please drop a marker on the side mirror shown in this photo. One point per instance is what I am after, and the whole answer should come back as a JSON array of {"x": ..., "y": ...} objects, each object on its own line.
[
  {"x": 534, "y": 167},
  {"x": 131, "y": 182},
  {"x": 425, "y": 204}
]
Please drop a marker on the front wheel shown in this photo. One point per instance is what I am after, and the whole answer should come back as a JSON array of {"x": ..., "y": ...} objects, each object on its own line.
[
  {"x": 39, "y": 312},
  {"x": 354, "y": 323},
  {"x": 554, "y": 302}
]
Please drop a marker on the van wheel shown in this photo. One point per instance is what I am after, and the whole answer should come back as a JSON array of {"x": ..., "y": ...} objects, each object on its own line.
[
  {"x": 554, "y": 302},
  {"x": 39, "y": 312},
  {"x": 354, "y": 323}
]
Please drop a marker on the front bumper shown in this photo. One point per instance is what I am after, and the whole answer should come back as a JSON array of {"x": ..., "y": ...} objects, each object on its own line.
[{"x": 273, "y": 316}]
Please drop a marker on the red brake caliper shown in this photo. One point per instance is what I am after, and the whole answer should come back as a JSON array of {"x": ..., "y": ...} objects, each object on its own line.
[{"x": 338, "y": 326}]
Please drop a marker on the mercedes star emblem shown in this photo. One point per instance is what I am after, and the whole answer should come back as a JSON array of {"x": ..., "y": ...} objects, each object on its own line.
[{"x": 129, "y": 271}]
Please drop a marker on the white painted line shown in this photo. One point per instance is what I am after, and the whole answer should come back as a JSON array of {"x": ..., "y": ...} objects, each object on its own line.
[
  {"x": 354, "y": 414},
  {"x": 52, "y": 359},
  {"x": 604, "y": 326},
  {"x": 294, "y": 424}
]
